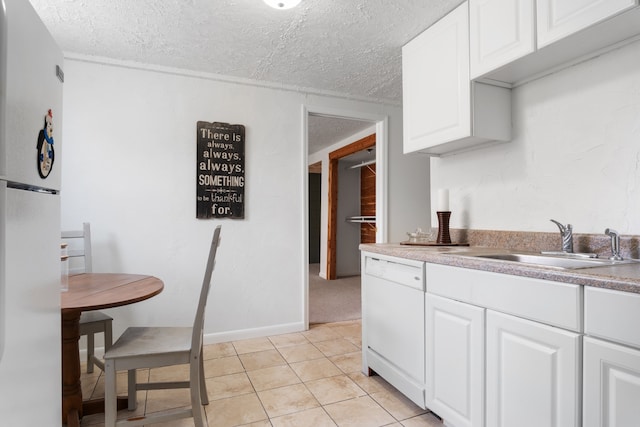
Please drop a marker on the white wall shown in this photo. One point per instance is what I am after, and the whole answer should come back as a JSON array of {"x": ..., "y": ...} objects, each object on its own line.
[
  {"x": 574, "y": 157},
  {"x": 129, "y": 168}
]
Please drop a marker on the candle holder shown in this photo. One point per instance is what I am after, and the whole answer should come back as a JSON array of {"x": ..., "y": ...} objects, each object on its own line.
[{"x": 443, "y": 227}]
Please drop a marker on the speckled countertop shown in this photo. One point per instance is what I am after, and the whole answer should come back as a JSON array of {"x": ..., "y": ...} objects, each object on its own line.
[{"x": 621, "y": 277}]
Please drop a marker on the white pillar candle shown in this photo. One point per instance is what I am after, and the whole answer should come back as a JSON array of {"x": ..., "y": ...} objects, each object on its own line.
[{"x": 443, "y": 200}]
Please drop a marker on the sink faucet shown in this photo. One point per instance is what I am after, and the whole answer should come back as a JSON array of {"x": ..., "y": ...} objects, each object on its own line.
[
  {"x": 567, "y": 236},
  {"x": 615, "y": 244}
]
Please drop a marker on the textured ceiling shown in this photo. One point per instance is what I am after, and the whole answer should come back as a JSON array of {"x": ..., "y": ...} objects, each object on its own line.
[
  {"x": 351, "y": 47},
  {"x": 346, "y": 47},
  {"x": 325, "y": 131}
]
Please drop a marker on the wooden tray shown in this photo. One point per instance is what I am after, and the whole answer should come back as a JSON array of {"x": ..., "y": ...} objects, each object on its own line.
[{"x": 432, "y": 244}]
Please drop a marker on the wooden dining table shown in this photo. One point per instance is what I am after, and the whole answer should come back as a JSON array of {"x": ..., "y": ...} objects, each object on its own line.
[{"x": 93, "y": 291}]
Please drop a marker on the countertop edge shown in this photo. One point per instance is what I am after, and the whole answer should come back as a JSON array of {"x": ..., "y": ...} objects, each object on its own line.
[{"x": 624, "y": 277}]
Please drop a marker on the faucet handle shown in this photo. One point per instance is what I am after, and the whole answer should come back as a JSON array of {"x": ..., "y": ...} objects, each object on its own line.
[
  {"x": 615, "y": 244},
  {"x": 566, "y": 231}
]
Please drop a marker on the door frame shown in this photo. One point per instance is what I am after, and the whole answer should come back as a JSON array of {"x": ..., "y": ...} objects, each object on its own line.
[{"x": 381, "y": 122}]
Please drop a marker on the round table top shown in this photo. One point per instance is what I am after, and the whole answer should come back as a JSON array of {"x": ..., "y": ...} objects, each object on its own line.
[{"x": 96, "y": 291}]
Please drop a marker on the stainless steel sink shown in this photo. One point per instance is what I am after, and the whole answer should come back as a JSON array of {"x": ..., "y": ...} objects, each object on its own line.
[{"x": 564, "y": 262}]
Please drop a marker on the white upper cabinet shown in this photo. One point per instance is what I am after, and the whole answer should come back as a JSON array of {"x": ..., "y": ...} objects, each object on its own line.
[
  {"x": 516, "y": 40},
  {"x": 501, "y": 31},
  {"x": 436, "y": 106},
  {"x": 560, "y": 18},
  {"x": 443, "y": 110}
]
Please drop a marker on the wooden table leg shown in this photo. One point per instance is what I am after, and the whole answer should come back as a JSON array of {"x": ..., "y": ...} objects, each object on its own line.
[
  {"x": 73, "y": 420},
  {"x": 73, "y": 408},
  {"x": 71, "y": 387}
]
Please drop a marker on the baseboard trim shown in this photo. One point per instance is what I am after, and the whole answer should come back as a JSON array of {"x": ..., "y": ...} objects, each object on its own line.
[{"x": 243, "y": 334}]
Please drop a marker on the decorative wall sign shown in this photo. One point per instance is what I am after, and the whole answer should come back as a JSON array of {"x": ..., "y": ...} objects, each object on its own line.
[
  {"x": 45, "y": 152},
  {"x": 220, "y": 171}
]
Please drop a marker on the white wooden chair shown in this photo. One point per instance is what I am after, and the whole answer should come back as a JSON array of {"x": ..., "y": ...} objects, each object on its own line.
[
  {"x": 152, "y": 347},
  {"x": 91, "y": 322}
]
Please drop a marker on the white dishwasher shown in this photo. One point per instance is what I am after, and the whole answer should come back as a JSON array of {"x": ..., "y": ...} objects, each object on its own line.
[{"x": 393, "y": 322}]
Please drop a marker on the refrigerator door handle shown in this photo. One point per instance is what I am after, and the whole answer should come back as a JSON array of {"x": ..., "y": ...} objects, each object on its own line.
[{"x": 28, "y": 187}]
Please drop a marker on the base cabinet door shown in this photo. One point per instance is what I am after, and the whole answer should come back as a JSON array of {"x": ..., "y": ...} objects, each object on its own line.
[
  {"x": 611, "y": 395},
  {"x": 533, "y": 374},
  {"x": 455, "y": 361}
]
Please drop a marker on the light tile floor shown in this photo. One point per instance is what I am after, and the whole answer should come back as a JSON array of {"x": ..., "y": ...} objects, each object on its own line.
[{"x": 311, "y": 378}]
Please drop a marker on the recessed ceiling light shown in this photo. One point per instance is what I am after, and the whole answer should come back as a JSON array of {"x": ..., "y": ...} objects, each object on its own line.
[{"x": 282, "y": 4}]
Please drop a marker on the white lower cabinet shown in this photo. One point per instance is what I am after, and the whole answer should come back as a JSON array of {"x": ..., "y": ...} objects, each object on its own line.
[
  {"x": 611, "y": 358},
  {"x": 611, "y": 384},
  {"x": 487, "y": 349},
  {"x": 533, "y": 373},
  {"x": 455, "y": 361},
  {"x": 489, "y": 368}
]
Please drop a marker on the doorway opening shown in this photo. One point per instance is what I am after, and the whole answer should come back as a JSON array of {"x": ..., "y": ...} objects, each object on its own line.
[{"x": 373, "y": 130}]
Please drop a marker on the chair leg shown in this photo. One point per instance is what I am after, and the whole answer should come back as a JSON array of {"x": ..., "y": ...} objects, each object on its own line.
[
  {"x": 90, "y": 351},
  {"x": 110, "y": 396},
  {"x": 108, "y": 335},
  {"x": 132, "y": 391},
  {"x": 199, "y": 414},
  {"x": 203, "y": 385}
]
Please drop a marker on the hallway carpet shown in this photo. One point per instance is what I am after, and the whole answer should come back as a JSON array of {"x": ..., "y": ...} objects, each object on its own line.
[{"x": 333, "y": 300}]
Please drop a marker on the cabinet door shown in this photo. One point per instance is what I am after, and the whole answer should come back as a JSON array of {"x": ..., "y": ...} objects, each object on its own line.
[
  {"x": 455, "y": 361},
  {"x": 611, "y": 384},
  {"x": 436, "y": 85},
  {"x": 501, "y": 31},
  {"x": 561, "y": 18},
  {"x": 533, "y": 373}
]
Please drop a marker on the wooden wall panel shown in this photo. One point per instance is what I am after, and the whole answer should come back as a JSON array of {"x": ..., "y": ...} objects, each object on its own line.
[{"x": 368, "y": 202}]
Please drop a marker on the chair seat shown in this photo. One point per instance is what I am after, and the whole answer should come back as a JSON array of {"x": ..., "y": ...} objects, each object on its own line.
[
  {"x": 94, "y": 316},
  {"x": 157, "y": 346}
]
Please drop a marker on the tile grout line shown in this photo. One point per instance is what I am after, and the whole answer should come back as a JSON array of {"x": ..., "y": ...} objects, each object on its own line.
[
  {"x": 279, "y": 350},
  {"x": 304, "y": 383},
  {"x": 342, "y": 373}
]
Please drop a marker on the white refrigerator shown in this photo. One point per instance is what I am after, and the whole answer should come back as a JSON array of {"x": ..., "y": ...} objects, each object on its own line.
[{"x": 30, "y": 118}]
